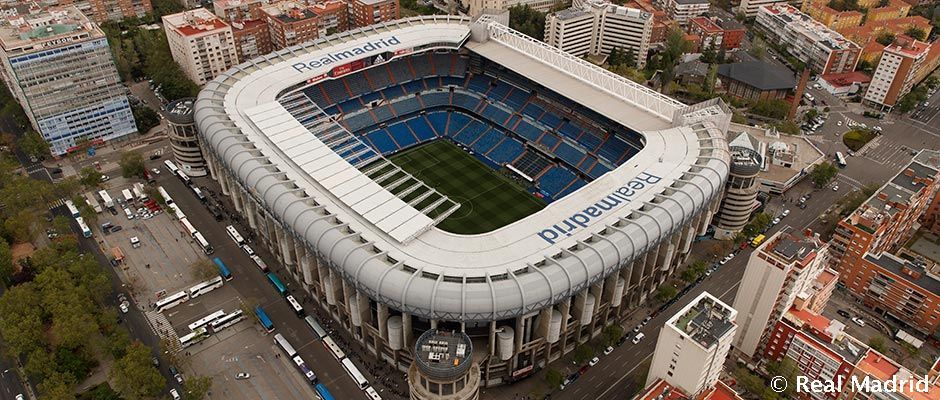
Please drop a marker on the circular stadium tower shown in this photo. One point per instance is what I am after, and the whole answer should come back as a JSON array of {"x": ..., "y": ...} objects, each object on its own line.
[
  {"x": 742, "y": 187},
  {"x": 443, "y": 367},
  {"x": 438, "y": 173},
  {"x": 181, "y": 129}
]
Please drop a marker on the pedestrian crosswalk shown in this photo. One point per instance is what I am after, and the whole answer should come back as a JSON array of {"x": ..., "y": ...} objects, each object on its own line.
[
  {"x": 892, "y": 155},
  {"x": 162, "y": 327},
  {"x": 57, "y": 203}
]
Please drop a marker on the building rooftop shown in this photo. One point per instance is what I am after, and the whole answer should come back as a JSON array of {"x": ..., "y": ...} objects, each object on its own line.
[
  {"x": 706, "y": 24},
  {"x": 571, "y": 13},
  {"x": 705, "y": 320},
  {"x": 883, "y": 368},
  {"x": 194, "y": 22},
  {"x": 908, "y": 46},
  {"x": 913, "y": 271},
  {"x": 32, "y": 28},
  {"x": 180, "y": 111},
  {"x": 807, "y": 26},
  {"x": 289, "y": 11},
  {"x": 662, "y": 390},
  {"x": 899, "y": 191},
  {"x": 846, "y": 78},
  {"x": 442, "y": 354},
  {"x": 761, "y": 75}
]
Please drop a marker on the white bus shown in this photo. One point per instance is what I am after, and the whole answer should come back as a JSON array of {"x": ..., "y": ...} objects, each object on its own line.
[
  {"x": 228, "y": 320},
  {"x": 840, "y": 159},
  {"x": 194, "y": 337},
  {"x": 166, "y": 196},
  {"x": 233, "y": 233},
  {"x": 139, "y": 194},
  {"x": 86, "y": 232},
  {"x": 207, "y": 319},
  {"x": 206, "y": 247},
  {"x": 315, "y": 326},
  {"x": 198, "y": 193},
  {"x": 170, "y": 166},
  {"x": 285, "y": 345},
  {"x": 333, "y": 348},
  {"x": 295, "y": 306},
  {"x": 372, "y": 394},
  {"x": 106, "y": 199},
  {"x": 92, "y": 202},
  {"x": 206, "y": 287},
  {"x": 260, "y": 263},
  {"x": 355, "y": 374},
  {"x": 128, "y": 196},
  {"x": 188, "y": 227},
  {"x": 171, "y": 301},
  {"x": 177, "y": 213},
  {"x": 183, "y": 177},
  {"x": 73, "y": 211}
]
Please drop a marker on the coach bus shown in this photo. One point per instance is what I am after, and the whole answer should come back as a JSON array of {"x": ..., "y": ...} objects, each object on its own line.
[
  {"x": 277, "y": 284},
  {"x": 295, "y": 306},
  {"x": 73, "y": 211},
  {"x": 355, "y": 374},
  {"x": 223, "y": 270},
  {"x": 205, "y": 287},
  {"x": 86, "y": 231},
  {"x": 206, "y": 247},
  {"x": 183, "y": 177},
  {"x": 106, "y": 199},
  {"x": 315, "y": 326},
  {"x": 166, "y": 196},
  {"x": 171, "y": 166},
  {"x": 228, "y": 320},
  {"x": 260, "y": 263},
  {"x": 302, "y": 366},
  {"x": 194, "y": 337},
  {"x": 372, "y": 394},
  {"x": 232, "y": 233},
  {"x": 171, "y": 301},
  {"x": 840, "y": 159},
  {"x": 285, "y": 345},
  {"x": 92, "y": 202},
  {"x": 188, "y": 227},
  {"x": 206, "y": 320},
  {"x": 263, "y": 319},
  {"x": 323, "y": 392},
  {"x": 333, "y": 348}
]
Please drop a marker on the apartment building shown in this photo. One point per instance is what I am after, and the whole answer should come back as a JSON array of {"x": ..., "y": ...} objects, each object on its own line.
[
  {"x": 779, "y": 273},
  {"x": 717, "y": 33},
  {"x": 661, "y": 21},
  {"x": 238, "y": 10},
  {"x": 904, "y": 288},
  {"x": 101, "y": 11},
  {"x": 201, "y": 43},
  {"x": 252, "y": 38},
  {"x": 290, "y": 23},
  {"x": 894, "y": 10},
  {"x": 750, "y": 7},
  {"x": 597, "y": 27},
  {"x": 875, "y": 366},
  {"x": 823, "y": 50},
  {"x": 932, "y": 216},
  {"x": 332, "y": 16},
  {"x": 58, "y": 66},
  {"x": 692, "y": 346},
  {"x": 477, "y": 7},
  {"x": 662, "y": 390},
  {"x": 831, "y": 18},
  {"x": 367, "y": 12},
  {"x": 682, "y": 11},
  {"x": 895, "y": 75}
]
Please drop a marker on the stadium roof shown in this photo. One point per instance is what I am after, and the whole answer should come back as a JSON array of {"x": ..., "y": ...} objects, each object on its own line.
[{"x": 519, "y": 268}]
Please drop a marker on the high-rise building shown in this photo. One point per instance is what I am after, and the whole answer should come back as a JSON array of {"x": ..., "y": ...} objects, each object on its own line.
[
  {"x": 741, "y": 190},
  {"x": 367, "y": 12},
  {"x": 181, "y": 129},
  {"x": 682, "y": 11},
  {"x": 252, "y": 38},
  {"x": 823, "y": 50},
  {"x": 693, "y": 345},
  {"x": 59, "y": 68},
  {"x": 597, "y": 27},
  {"x": 102, "y": 10},
  {"x": 895, "y": 75},
  {"x": 780, "y": 272},
  {"x": 290, "y": 23},
  {"x": 201, "y": 43},
  {"x": 238, "y": 10}
]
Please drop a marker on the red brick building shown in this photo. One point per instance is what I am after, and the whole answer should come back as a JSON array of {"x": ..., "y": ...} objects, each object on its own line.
[
  {"x": 716, "y": 32},
  {"x": 252, "y": 38},
  {"x": 290, "y": 23},
  {"x": 368, "y": 12},
  {"x": 238, "y": 10},
  {"x": 332, "y": 16}
]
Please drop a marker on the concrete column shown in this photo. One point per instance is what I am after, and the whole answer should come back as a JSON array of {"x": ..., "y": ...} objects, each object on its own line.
[
  {"x": 223, "y": 182},
  {"x": 383, "y": 321},
  {"x": 252, "y": 212},
  {"x": 210, "y": 162},
  {"x": 287, "y": 245},
  {"x": 492, "y": 338},
  {"x": 406, "y": 327},
  {"x": 238, "y": 199},
  {"x": 305, "y": 268}
]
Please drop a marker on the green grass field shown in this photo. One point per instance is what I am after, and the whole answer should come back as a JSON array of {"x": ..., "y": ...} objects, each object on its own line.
[{"x": 487, "y": 199}]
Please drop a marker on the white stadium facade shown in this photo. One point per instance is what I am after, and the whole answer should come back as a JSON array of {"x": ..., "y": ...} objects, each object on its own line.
[{"x": 525, "y": 293}]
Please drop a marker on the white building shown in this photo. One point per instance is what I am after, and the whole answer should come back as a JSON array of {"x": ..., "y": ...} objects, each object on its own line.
[
  {"x": 201, "y": 43},
  {"x": 693, "y": 345},
  {"x": 749, "y": 7},
  {"x": 895, "y": 75},
  {"x": 477, "y": 7},
  {"x": 58, "y": 66},
  {"x": 780, "y": 271},
  {"x": 597, "y": 27},
  {"x": 823, "y": 50},
  {"x": 682, "y": 11}
]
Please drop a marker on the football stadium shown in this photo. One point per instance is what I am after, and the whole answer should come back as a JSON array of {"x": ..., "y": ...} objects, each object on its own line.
[{"x": 438, "y": 172}]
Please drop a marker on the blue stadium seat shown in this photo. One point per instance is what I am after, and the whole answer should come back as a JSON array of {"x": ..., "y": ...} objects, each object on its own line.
[
  {"x": 445, "y": 81},
  {"x": 577, "y": 184},
  {"x": 555, "y": 180},
  {"x": 438, "y": 121},
  {"x": 381, "y": 141},
  {"x": 436, "y": 99},
  {"x": 499, "y": 91},
  {"x": 413, "y": 87},
  {"x": 589, "y": 141},
  {"x": 549, "y": 140},
  {"x": 460, "y": 67},
  {"x": 507, "y": 151},
  {"x": 598, "y": 170},
  {"x": 528, "y": 131},
  {"x": 516, "y": 99},
  {"x": 379, "y": 77},
  {"x": 550, "y": 120},
  {"x": 336, "y": 91},
  {"x": 479, "y": 84},
  {"x": 392, "y": 92},
  {"x": 569, "y": 154},
  {"x": 370, "y": 97},
  {"x": 465, "y": 101},
  {"x": 407, "y": 106},
  {"x": 569, "y": 130},
  {"x": 402, "y": 135},
  {"x": 486, "y": 142},
  {"x": 359, "y": 122},
  {"x": 495, "y": 114},
  {"x": 532, "y": 110},
  {"x": 421, "y": 128},
  {"x": 473, "y": 130},
  {"x": 442, "y": 63},
  {"x": 316, "y": 94},
  {"x": 358, "y": 86},
  {"x": 457, "y": 122},
  {"x": 400, "y": 72},
  {"x": 422, "y": 65}
]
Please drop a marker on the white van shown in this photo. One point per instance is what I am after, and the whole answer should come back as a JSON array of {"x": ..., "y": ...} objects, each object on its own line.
[
  {"x": 128, "y": 213},
  {"x": 638, "y": 337},
  {"x": 135, "y": 242}
]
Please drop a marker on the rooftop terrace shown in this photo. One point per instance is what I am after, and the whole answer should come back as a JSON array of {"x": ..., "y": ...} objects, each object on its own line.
[{"x": 705, "y": 320}]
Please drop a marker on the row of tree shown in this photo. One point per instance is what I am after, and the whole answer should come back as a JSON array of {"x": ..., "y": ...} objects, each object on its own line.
[{"x": 141, "y": 53}]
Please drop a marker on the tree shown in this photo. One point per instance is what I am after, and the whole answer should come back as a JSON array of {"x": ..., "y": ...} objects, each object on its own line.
[
  {"x": 878, "y": 343},
  {"x": 33, "y": 144},
  {"x": 197, "y": 387},
  {"x": 22, "y": 323},
  {"x": 885, "y": 38},
  {"x": 771, "y": 108},
  {"x": 583, "y": 353},
  {"x": 916, "y": 32},
  {"x": 810, "y": 114},
  {"x": 709, "y": 55},
  {"x": 666, "y": 292},
  {"x": 613, "y": 333},
  {"x": 528, "y": 21},
  {"x": 788, "y": 369},
  {"x": 19, "y": 226},
  {"x": 146, "y": 118},
  {"x": 823, "y": 173},
  {"x": 694, "y": 271},
  {"x": 757, "y": 224},
  {"x": 553, "y": 378},
  {"x": 134, "y": 376},
  {"x": 6, "y": 263},
  {"x": 58, "y": 386},
  {"x": 132, "y": 164}
]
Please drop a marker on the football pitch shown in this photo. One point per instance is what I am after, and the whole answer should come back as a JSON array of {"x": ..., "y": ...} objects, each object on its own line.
[{"x": 487, "y": 199}]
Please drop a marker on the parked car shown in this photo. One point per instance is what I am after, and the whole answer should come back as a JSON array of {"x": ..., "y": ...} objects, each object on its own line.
[
  {"x": 638, "y": 338},
  {"x": 242, "y": 375},
  {"x": 775, "y": 221},
  {"x": 835, "y": 188},
  {"x": 155, "y": 361},
  {"x": 155, "y": 156},
  {"x": 785, "y": 213},
  {"x": 176, "y": 396},
  {"x": 594, "y": 361},
  {"x": 125, "y": 307},
  {"x": 858, "y": 321},
  {"x": 105, "y": 178},
  {"x": 155, "y": 171},
  {"x": 608, "y": 350},
  {"x": 646, "y": 320},
  {"x": 844, "y": 314}
]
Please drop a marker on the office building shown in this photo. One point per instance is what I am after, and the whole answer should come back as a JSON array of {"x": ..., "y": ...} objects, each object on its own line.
[
  {"x": 780, "y": 272},
  {"x": 895, "y": 75},
  {"x": 201, "y": 43},
  {"x": 368, "y": 12},
  {"x": 181, "y": 129},
  {"x": 58, "y": 66},
  {"x": 597, "y": 27},
  {"x": 682, "y": 11},
  {"x": 443, "y": 367},
  {"x": 478, "y": 7},
  {"x": 823, "y": 50},
  {"x": 290, "y": 23},
  {"x": 693, "y": 345}
]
